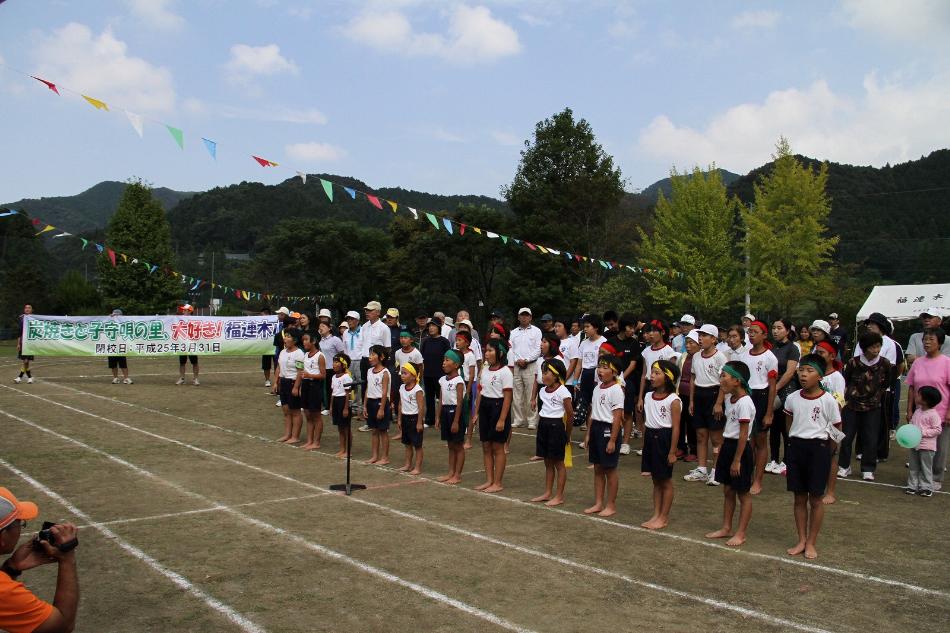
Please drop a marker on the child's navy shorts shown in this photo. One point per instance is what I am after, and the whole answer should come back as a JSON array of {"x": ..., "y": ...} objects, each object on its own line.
[
  {"x": 551, "y": 439},
  {"x": 656, "y": 451},
  {"x": 760, "y": 397},
  {"x": 445, "y": 425},
  {"x": 287, "y": 397},
  {"x": 410, "y": 436},
  {"x": 339, "y": 402},
  {"x": 597, "y": 447},
  {"x": 488, "y": 414},
  {"x": 809, "y": 462},
  {"x": 727, "y": 453},
  {"x": 704, "y": 401},
  {"x": 372, "y": 410}
]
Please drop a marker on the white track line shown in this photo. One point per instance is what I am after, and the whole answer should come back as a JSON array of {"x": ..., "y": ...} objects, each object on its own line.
[
  {"x": 180, "y": 581},
  {"x": 315, "y": 547},
  {"x": 795, "y": 562},
  {"x": 170, "y": 374}
]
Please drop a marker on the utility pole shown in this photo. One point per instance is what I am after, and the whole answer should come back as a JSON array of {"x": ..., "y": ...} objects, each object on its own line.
[
  {"x": 748, "y": 272},
  {"x": 211, "y": 303}
]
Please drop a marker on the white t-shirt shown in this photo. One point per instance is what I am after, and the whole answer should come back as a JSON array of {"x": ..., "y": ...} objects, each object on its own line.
[
  {"x": 812, "y": 416},
  {"x": 658, "y": 414},
  {"x": 552, "y": 403},
  {"x": 340, "y": 384},
  {"x": 537, "y": 374},
  {"x": 736, "y": 354},
  {"x": 706, "y": 370},
  {"x": 311, "y": 364},
  {"x": 470, "y": 365},
  {"x": 408, "y": 404},
  {"x": 493, "y": 382},
  {"x": 375, "y": 334},
  {"x": 374, "y": 382},
  {"x": 589, "y": 352},
  {"x": 742, "y": 410},
  {"x": 606, "y": 401},
  {"x": 449, "y": 390},
  {"x": 760, "y": 367},
  {"x": 835, "y": 382},
  {"x": 414, "y": 356},
  {"x": 570, "y": 350},
  {"x": 353, "y": 342},
  {"x": 723, "y": 347},
  {"x": 290, "y": 362},
  {"x": 651, "y": 355}
]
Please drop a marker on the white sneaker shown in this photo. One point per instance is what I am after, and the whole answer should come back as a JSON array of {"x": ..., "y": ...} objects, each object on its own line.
[
  {"x": 116, "y": 381},
  {"x": 583, "y": 445},
  {"x": 639, "y": 451},
  {"x": 29, "y": 380},
  {"x": 267, "y": 383},
  {"x": 636, "y": 433},
  {"x": 867, "y": 476},
  {"x": 781, "y": 469},
  {"x": 17, "y": 380},
  {"x": 711, "y": 480},
  {"x": 695, "y": 475},
  {"x": 277, "y": 404},
  {"x": 127, "y": 381},
  {"x": 180, "y": 381},
  {"x": 771, "y": 466},
  {"x": 364, "y": 428},
  {"x": 624, "y": 449},
  {"x": 196, "y": 382},
  {"x": 532, "y": 426},
  {"x": 325, "y": 412},
  {"x": 844, "y": 472},
  {"x": 517, "y": 425}
]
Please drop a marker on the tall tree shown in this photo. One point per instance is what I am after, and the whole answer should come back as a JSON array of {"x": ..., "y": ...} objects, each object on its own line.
[
  {"x": 694, "y": 234},
  {"x": 787, "y": 239},
  {"x": 139, "y": 228},
  {"x": 24, "y": 269}
]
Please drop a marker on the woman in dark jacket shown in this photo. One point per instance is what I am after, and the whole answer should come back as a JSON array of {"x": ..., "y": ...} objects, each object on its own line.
[{"x": 433, "y": 349}]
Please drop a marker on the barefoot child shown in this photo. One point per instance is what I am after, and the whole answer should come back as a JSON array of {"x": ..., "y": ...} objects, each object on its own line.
[
  {"x": 833, "y": 382},
  {"x": 603, "y": 436},
  {"x": 311, "y": 390},
  {"x": 661, "y": 413},
  {"x": 341, "y": 387},
  {"x": 550, "y": 349},
  {"x": 705, "y": 394},
  {"x": 735, "y": 463},
  {"x": 376, "y": 407},
  {"x": 812, "y": 410},
  {"x": 469, "y": 369},
  {"x": 493, "y": 413},
  {"x": 289, "y": 367},
  {"x": 452, "y": 419},
  {"x": 763, "y": 373},
  {"x": 407, "y": 353},
  {"x": 412, "y": 408},
  {"x": 554, "y": 428}
]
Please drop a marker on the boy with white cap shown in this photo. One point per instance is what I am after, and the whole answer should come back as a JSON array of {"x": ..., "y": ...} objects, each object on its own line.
[{"x": 704, "y": 394}]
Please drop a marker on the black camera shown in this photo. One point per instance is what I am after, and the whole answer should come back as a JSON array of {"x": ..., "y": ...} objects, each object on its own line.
[{"x": 45, "y": 534}]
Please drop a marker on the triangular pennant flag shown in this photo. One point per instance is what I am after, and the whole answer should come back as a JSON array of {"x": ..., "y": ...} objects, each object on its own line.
[
  {"x": 303, "y": 177},
  {"x": 415, "y": 214},
  {"x": 100, "y": 247},
  {"x": 85, "y": 243},
  {"x": 111, "y": 256},
  {"x": 98, "y": 105},
  {"x": 491, "y": 235},
  {"x": 462, "y": 229},
  {"x": 178, "y": 135},
  {"x": 530, "y": 245},
  {"x": 6, "y": 213},
  {"x": 137, "y": 122},
  {"x": 542, "y": 249},
  {"x": 49, "y": 227},
  {"x": 244, "y": 295},
  {"x": 504, "y": 238},
  {"x": 516, "y": 240},
  {"x": 35, "y": 221},
  {"x": 49, "y": 84},
  {"x": 373, "y": 200},
  {"x": 433, "y": 219},
  {"x": 327, "y": 188},
  {"x": 197, "y": 283},
  {"x": 125, "y": 257},
  {"x": 553, "y": 252},
  {"x": 352, "y": 192},
  {"x": 212, "y": 147},
  {"x": 263, "y": 162},
  {"x": 448, "y": 225},
  {"x": 63, "y": 234},
  {"x": 393, "y": 205}
]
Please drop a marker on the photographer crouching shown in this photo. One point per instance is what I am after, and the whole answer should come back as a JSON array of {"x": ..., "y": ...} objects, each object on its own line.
[{"x": 20, "y": 610}]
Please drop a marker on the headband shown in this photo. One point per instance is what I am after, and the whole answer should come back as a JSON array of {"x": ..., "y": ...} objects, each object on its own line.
[
  {"x": 658, "y": 325},
  {"x": 761, "y": 325},
  {"x": 732, "y": 371},
  {"x": 405, "y": 333},
  {"x": 814, "y": 365},
  {"x": 607, "y": 363},
  {"x": 666, "y": 371},
  {"x": 551, "y": 368},
  {"x": 828, "y": 347},
  {"x": 454, "y": 356},
  {"x": 409, "y": 367}
]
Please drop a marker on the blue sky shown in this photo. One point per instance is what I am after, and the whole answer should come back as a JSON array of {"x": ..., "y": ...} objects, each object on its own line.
[{"x": 439, "y": 96}]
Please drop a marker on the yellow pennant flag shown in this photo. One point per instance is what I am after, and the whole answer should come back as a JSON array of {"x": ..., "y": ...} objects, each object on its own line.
[
  {"x": 542, "y": 249},
  {"x": 125, "y": 257},
  {"x": 49, "y": 227},
  {"x": 98, "y": 105},
  {"x": 246, "y": 296},
  {"x": 392, "y": 204}
]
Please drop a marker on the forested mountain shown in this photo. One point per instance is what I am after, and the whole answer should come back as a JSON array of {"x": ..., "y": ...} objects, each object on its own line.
[{"x": 653, "y": 191}]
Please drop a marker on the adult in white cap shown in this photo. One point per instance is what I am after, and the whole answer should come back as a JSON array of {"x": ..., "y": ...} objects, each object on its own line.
[
  {"x": 929, "y": 318},
  {"x": 522, "y": 358},
  {"x": 353, "y": 343},
  {"x": 119, "y": 362},
  {"x": 325, "y": 316},
  {"x": 686, "y": 324},
  {"x": 20, "y": 609},
  {"x": 375, "y": 332},
  {"x": 838, "y": 335}
]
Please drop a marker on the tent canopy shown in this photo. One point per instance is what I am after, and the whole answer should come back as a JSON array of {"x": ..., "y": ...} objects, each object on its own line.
[{"x": 903, "y": 303}]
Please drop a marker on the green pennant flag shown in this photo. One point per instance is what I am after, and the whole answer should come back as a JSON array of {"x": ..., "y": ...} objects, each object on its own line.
[
  {"x": 178, "y": 135},
  {"x": 85, "y": 243},
  {"x": 434, "y": 221},
  {"x": 328, "y": 187},
  {"x": 504, "y": 238}
]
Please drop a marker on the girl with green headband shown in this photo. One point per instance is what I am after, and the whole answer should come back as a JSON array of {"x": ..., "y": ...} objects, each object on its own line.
[
  {"x": 493, "y": 414},
  {"x": 452, "y": 420}
]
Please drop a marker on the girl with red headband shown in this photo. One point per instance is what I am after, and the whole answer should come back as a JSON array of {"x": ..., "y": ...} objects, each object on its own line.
[
  {"x": 833, "y": 382},
  {"x": 763, "y": 370},
  {"x": 657, "y": 336}
]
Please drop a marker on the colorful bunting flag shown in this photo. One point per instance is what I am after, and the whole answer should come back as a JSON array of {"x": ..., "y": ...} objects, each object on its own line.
[
  {"x": 263, "y": 162},
  {"x": 352, "y": 192},
  {"x": 393, "y": 205},
  {"x": 49, "y": 227},
  {"x": 99, "y": 247},
  {"x": 432, "y": 219},
  {"x": 111, "y": 256},
  {"x": 448, "y": 225},
  {"x": 462, "y": 229},
  {"x": 5, "y": 214},
  {"x": 63, "y": 234},
  {"x": 85, "y": 243},
  {"x": 98, "y": 105},
  {"x": 303, "y": 177},
  {"x": 49, "y": 84},
  {"x": 327, "y": 188},
  {"x": 177, "y": 134},
  {"x": 490, "y": 235},
  {"x": 415, "y": 214},
  {"x": 211, "y": 146},
  {"x": 373, "y": 200},
  {"x": 137, "y": 122},
  {"x": 504, "y": 238}
]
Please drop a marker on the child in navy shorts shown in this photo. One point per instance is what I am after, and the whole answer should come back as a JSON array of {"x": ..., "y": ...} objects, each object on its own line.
[
  {"x": 661, "y": 412},
  {"x": 704, "y": 396},
  {"x": 452, "y": 419},
  {"x": 341, "y": 388},
  {"x": 554, "y": 429},
  {"x": 376, "y": 407},
  {"x": 735, "y": 463},
  {"x": 412, "y": 407},
  {"x": 813, "y": 412},
  {"x": 604, "y": 425},
  {"x": 493, "y": 414}
]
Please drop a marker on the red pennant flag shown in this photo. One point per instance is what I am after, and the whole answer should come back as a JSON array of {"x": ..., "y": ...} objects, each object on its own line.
[
  {"x": 237, "y": 293},
  {"x": 531, "y": 246},
  {"x": 462, "y": 228},
  {"x": 49, "y": 84},
  {"x": 577, "y": 257},
  {"x": 263, "y": 162},
  {"x": 36, "y": 221},
  {"x": 111, "y": 256},
  {"x": 374, "y": 201}
]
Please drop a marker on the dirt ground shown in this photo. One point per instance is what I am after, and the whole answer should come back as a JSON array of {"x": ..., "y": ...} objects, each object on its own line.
[{"x": 195, "y": 519}]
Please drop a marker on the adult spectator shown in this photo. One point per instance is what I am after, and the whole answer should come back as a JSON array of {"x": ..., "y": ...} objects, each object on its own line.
[
  {"x": 838, "y": 335},
  {"x": 420, "y": 331},
  {"x": 374, "y": 332},
  {"x": 630, "y": 355},
  {"x": 324, "y": 316},
  {"x": 929, "y": 318},
  {"x": 433, "y": 349},
  {"x": 119, "y": 362},
  {"x": 610, "y": 320},
  {"x": 547, "y": 323},
  {"x": 392, "y": 322},
  {"x": 20, "y": 609},
  {"x": 686, "y": 323},
  {"x": 933, "y": 370},
  {"x": 522, "y": 358},
  {"x": 463, "y": 315},
  {"x": 26, "y": 360},
  {"x": 448, "y": 328},
  {"x": 353, "y": 343}
]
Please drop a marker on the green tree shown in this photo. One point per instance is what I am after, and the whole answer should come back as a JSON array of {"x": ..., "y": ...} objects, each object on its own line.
[
  {"x": 74, "y": 295},
  {"x": 24, "y": 269},
  {"x": 139, "y": 229},
  {"x": 694, "y": 234},
  {"x": 787, "y": 242}
]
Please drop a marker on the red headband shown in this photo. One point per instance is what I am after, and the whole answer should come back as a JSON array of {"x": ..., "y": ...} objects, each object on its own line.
[
  {"x": 658, "y": 325},
  {"x": 764, "y": 327},
  {"x": 828, "y": 347},
  {"x": 609, "y": 348}
]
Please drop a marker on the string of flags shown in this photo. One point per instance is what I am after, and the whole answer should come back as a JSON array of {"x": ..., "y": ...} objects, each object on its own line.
[
  {"x": 194, "y": 283},
  {"x": 438, "y": 221}
]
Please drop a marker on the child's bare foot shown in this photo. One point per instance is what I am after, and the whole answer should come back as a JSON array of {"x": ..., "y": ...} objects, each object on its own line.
[
  {"x": 396, "y": 438},
  {"x": 607, "y": 512},
  {"x": 481, "y": 487},
  {"x": 403, "y": 468},
  {"x": 721, "y": 533},
  {"x": 594, "y": 509},
  {"x": 443, "y": 478},
  {"x": 736, "y": 540},
  {"x": 654, "y": 524},
  {"x": 755, "y": 489},
  {"x": 535, "y": 458},
  {"x": 649, "y": 522},
  {"x": 283, "y": 438},
  {"x": 828, "y": 499},
  {"x": 383, "y": 461},
  {"x": 556, "y": 501},
  {"x": 810, "y": 552},
  {"x": 316, "y": 445},
  {"x": 415, "y": 471},
  {"x": 646, "y": 474},
  {"x": 306, "y": 446},
  {"x": 797, "y": 550},
  {"x": 494, "y": 488},
  {"x": 544, "y": 497},
  {"x": 453, "y": 481},
  {"x": 467, "y": 445},
  {"x": 340, "y": 455},
  {"x": 371, "y": 460},
  {"x": 291, "y": 441}
]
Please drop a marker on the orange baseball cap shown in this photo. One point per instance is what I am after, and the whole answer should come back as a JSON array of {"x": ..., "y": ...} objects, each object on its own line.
[{"x": 12, "y": 509}]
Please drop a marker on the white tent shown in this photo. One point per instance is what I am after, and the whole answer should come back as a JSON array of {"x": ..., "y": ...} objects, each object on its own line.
[{"x": 903, "y": 303}]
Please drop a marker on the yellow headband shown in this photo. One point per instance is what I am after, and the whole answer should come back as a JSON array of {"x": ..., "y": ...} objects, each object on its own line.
[
  {"x": 549, "y": 367},
  {"x": 345, "y": 364},
  {"x": 411, "y": 369},
  {"x": 666, "y": 371}
]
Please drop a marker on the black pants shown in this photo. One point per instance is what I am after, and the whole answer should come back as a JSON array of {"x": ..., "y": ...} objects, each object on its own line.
[
  {"x": 687, "y": 438},
  {"x": 866, "y": 425},
  {"x": 778, "y": 434},
  {"x": 431, "y": 387},
  {"x": 890, "y": 415}
]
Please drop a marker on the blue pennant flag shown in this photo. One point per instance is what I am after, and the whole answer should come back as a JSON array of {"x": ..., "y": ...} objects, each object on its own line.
[
  {"x": 352, "y": 192},
  {"x": 212, "y": 148},
  {"x": 448, "y": 225}
]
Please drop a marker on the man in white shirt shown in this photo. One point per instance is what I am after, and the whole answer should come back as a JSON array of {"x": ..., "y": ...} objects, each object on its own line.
[
  {"x": 353, "y": 342},
  {"x": 929, "y": 318},
  {"x": 522, "y": 358},
  {"x": 373, "y": 332}
]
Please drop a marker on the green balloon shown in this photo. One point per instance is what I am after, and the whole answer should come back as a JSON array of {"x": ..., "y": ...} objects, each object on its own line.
[{"x": 909, "y": 436}]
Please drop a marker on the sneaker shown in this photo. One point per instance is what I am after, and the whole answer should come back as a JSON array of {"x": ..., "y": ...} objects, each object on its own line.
[
  {"x": 116, "y": 381},
  {"x": 583, "y": 445},
  {"x": 624, "y": 449},
  {"x": 29, "y": 380},
  {"x": 858, "y": 456},
  {"x": 532, "y": 426},
  {"x": 180, "y": 381},
  {"x": 636, "y": 433},
  {"x": 711, "y": 481},
  {"x": 127, "y": 381},
  {"x": 867, "y": 476},
  {"x": 926, "y": 493},
  {"x": 17, "y": 380},
  {"x": 517, "y": 425},
  {"x": 910, "y": 491},
  {"x": 196, "y": 383},
  {"x": 781, "y": 469},
  {"x": 696, "y": 475},
  {"x": 638, "y": 452},
  {"x": 267, "y": 383},
  {"x": 325, "y": 412},
  {"x": 364, "y": 428},
  {"x": 690, "y": 458},
  {"x": 277, "y": 404},
  {"x": 771, "y": 466},
  {"x": 844, "y": 472},
  {"x": 938, "y": 486},
  {"x": 893, "y": 434}
]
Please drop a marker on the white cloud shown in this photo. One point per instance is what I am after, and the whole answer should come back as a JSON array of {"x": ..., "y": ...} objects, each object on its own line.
[
  {"x": 755, "y": 19},
  {"x": 101, "y": 66},
  {"x": 473, "y": 35},
  {"x": 888, "y": 122},
  {"x": 908, "y": 21},
  {"x": 247, "y": 62},
  {"x": 156, "y": 13},
  {"x": 506, "y": 138},
  {"x": 315, "y": 152}
]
